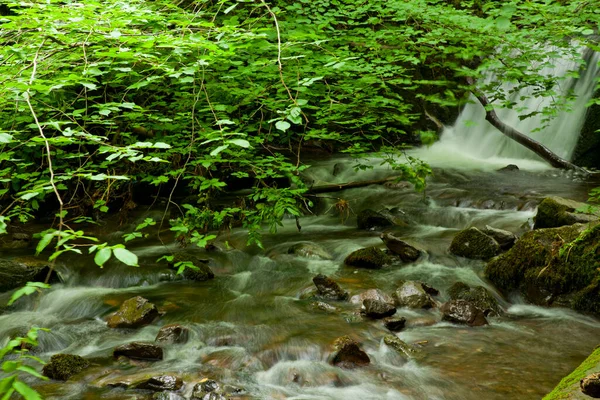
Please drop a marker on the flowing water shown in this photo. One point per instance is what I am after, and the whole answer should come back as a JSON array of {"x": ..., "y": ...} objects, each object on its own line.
[{"x": 250, "y": 329}]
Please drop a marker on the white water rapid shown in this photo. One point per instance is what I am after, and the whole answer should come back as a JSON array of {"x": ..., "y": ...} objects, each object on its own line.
[{"x": 473, "y": 141}]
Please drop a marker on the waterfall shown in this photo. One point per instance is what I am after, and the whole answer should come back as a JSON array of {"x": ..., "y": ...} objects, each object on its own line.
[{"x": 476, "y": 139}]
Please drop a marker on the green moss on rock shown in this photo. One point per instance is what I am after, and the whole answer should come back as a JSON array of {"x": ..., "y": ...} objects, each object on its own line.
[
  {"x": 551, "y": 263},
  {"x": 62, "y": 366},
  {"x": 472, "y": 243},
  {"x": 568, "y": 387},
  {"x": 370, "y": 257},
  {"x": 134, "y": 312},
  {"x": 555, "y": 211}
]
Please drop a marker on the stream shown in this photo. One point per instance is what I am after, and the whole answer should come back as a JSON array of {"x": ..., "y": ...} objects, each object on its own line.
[{"x": 250, "y": 329}]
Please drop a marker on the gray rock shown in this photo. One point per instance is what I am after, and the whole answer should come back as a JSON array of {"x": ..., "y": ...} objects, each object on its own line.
[
  {"x": 478, "y": 296},
  {"x": 472, "y": 243},
  {"x": 505, "y": 239},
  {"x": 63, "y": 366},
  {"x": 208, "y": 390},
  {"x": 167, "y": 396},
  {"x": 161, "y": 383},
  {"x": 369, "y": 258},
  {"x": 373, "y": 294},
  {"x": 322, "y": 306},
  {"x": 133, "y": 313},
  {"x": 17, "y": 272},
  {"x": 173, "y": 333},
  {"x": 509, "y": 168},
  {"x": 139, "y": 351},
  {"x": 412, "y": 295},
  {"x": 309, "y": 250},
  {"x": 328, "y": 288},
  {"x": 378, "y": 309},
  {"x": 348, "y": 354},
  {"x": 463, "y": 312},
  {"x": 405, "y": 251}
]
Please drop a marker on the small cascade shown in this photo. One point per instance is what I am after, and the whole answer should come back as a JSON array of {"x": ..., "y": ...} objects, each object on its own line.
[{"x": 473, "y": 137}]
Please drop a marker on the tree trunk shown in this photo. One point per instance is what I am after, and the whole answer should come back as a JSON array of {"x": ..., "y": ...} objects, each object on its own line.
[{"x": 533, "y": 145}]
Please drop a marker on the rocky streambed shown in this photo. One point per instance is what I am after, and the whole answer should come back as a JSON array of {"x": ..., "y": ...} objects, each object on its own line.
[{"x": 448, "y": 294}]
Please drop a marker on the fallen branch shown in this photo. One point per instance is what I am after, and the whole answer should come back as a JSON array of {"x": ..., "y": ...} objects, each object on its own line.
[{"x": 531, "y": 144}]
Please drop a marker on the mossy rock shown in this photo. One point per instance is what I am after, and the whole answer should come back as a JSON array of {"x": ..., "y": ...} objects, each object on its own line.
[
  {"x": 134, "y": 313},
  {"x": 401, "y": 347},
  {"x": 63, "y": 366},
  {"x": 199, "y": 271},
  {"x": 370, "y": 258},
  {"x": 478, "y": 296},
  {"x": 553, "y": 263},
  {"x": 569, "y": 388},
  {"x": 554, "y": 212},
  {"x": 472, "y": 243}
]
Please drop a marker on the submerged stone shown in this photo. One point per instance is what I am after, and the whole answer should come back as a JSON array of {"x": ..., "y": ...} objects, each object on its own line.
[
  {"x": 370, "y": 258},
  {"x": 328, "y": 288},
  {"x": 310, "y": 250},
  {"x": 63, "y": 366},
  {"x": 472, "y": 243},
  {"x": 370, "y": 219},
  {"x": 134, "y": 313}
]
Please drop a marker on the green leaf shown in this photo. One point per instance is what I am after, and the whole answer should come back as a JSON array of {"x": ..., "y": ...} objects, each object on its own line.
[
  {"x": 5, "y": 137},
  {"x": 102, "y": 256},
  {"x": 282, "y": 125},
  {"x": 46, "y": 239},
  {"x": 27, "y": 392},
  {"x": 9, "y": 366},
  {"x": 126, "y": 257},
  {"x": 31, "y": 371},
  {"x": 239, "y": 142},
  {"x": 502, "y": 23},
  {"x": 218, "y": 150},
  {"x": 29, "y": 288}
]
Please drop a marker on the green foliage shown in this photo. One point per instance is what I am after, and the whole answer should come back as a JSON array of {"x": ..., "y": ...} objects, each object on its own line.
[
  {"x": 29, "y": 288},
  {"x": 16, "y": 362}
]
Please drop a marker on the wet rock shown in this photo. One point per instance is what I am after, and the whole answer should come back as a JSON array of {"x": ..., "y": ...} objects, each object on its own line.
[
  {"x": 309, "y": 250},
  {"x": 509, "y": 168},
  {"x": 167, "y": 396},
  {"x": 412, "y": 295},
  {"x": 369, "y": 220},
  {"x": 174, "y": 333},
  {"x": 429, "y": 289},
  {"x": 161, "y": 383},
  {"x": 405, "y": 251},
  {"x": 403, "y": 348},
  {"x": 421, "y": 322},
  {"x": 472, "y": 243},
  {"x": 208, "y": 390},
  {"x": 329, "y": 289},
  {"x": 197, "y": 269},
  {"x": 134, "y": 313},
  {"x": 373, "y": 294},
  {"x": 63, "y": 366},
  {"x": 322, "y": 306},
  {"x": 139, "y": 351},
  {"x": 348, "y": 354},
  {"x": 590, "y": 385},
  {"x": 478, "y": 296},
  {"x": 370, "y": 258},
  {"x": 462, "y": 312},
  {"x": 378, "y": 309},
  {"x": 505, "y": 239},
  {"x": 395, "y": 324},
  {"x": 552, "y": 266},
  {"x": 17, "y": 272},
  {"x": 338, "y": 168},
  {"x": 556, "y": 211}
]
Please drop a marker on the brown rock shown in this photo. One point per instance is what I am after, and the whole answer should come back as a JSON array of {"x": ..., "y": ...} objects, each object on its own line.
[
  {"x": 139, "y": 351},
  {"x": 134, "y": 313},
  {"x": 174, "y": 333},
  {"x": 348, "y": 354}
]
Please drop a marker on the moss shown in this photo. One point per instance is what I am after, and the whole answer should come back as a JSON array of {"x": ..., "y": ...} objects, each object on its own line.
[
  {"x": 63, "y": 366},
  {"x": 570, "y": 384},
  {"x": 472, "y": 243},
  {"x": 478, "y": 296},
  {"x": 370, "y": 257}
]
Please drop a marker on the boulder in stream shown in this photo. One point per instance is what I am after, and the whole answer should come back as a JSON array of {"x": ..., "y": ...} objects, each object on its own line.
[
  {"x": 395, "y": 324},
  {"x": 401, "y": 347},
  {"x": 377, "y": 309},
  {"x": 472, "y": 243},
  {"x": 329, "y": 289},
  {"x": 556, "y": 211},
  {"x": 167, "y": 396},
  {"x": 462, "y": 312},
  {"x": 348, "y": 354},
  {"x": 15, "y": 273},
  {"x": 505, "y": 239},
  {"x": 310, "y": 250},
  {"x": 322, "y": 306},
  {"x": 208, "y": 389},
  {"x": 139, "y": 351},
  {"x": 479, "y": 296},
  {"x": 553, "y": 266},
  {"x": 197, "y": 268},
  {"x": 405, "y": 251},
  {"x": 173, "y": 333},
  {"x": 590, "y": 385},
  {"x": 63, "y": 366},
  {"x": 161, "y": 383},
  {"x": 509, "y": 168},
  {"x": 370, "y": 258},
  {"x": 373, "y": 294},
  {"x": 370, "y": 219},
  {"x": 134, "y": 313},
  {"x": 411, "y": 294}
]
